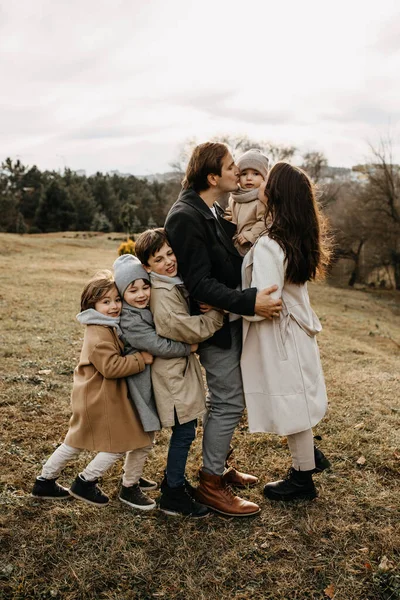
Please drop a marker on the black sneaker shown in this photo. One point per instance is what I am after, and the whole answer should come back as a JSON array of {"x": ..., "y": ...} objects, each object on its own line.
[
  {"x": 134, "y": 496},
  {"x": 321, "y": 462},
  {"x": 49, "y": 489},
  {"x": 147, "y": 484},
  {"x": 298, "y": 485},
  {"x": 191, "y": 490},
  {"x": 88, "y": 491},
  {"x": 177, "y": 501}
]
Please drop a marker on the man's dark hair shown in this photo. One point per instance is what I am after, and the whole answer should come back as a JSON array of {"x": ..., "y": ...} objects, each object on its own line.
[{"x": 206, "y": 159}]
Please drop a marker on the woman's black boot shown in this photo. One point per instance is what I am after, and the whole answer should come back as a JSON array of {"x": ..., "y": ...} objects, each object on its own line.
[{"x": 298, "y": 485}]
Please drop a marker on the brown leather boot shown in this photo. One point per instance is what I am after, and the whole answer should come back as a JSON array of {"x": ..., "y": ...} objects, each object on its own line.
[
  {"x": 238, "y": 479},
  {"x": 215, "y": 493}
]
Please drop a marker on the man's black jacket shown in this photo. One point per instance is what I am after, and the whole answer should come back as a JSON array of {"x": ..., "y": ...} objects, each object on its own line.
[{"x": 208, "y": 262}]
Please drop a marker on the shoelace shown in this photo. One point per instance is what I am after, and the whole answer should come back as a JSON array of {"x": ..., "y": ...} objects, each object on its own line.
[{"x": 228, "y": 492}]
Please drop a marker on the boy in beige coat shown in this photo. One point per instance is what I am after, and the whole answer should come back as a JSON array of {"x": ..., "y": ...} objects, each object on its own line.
[
  {"x": 177, "y": 382},
  {"x": 245, "y": 209}
]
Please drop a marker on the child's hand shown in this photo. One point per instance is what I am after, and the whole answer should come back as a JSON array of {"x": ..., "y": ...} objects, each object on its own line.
[
  {"x": 204, "y": 308},
  {"x": 147, "y": 357},
  {"x": 241, "y": 239},
  {"x": 193, "y": 347}
]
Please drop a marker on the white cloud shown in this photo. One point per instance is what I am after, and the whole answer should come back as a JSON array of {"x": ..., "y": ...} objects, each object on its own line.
[{"x": 101, "y": 85}]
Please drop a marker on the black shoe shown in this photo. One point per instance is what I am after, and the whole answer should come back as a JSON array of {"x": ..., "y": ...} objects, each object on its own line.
[
  {"x": 298, "y": 485},
  {"x": 191, "y": 490},
  {"x": 147, "y": 484},
  {"x": 88, "y": 491},
  {"x": 321, "y": 462},
  {"x": 177, "y": 501},
  {"x": 49, "y": 489},
  {"x": 134, "y": 496}
]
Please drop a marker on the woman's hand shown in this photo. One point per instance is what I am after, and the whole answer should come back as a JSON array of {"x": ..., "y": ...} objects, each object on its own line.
[
  {"x": 193, "y": 347},
  {"x": 147, "y": 357},
  {"x": 241, "y": 239}
]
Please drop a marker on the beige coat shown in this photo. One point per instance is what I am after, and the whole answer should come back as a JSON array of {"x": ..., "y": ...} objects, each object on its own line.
[
  {"x": 249, "y": 217},
  {"x": 103, "y": 418},
  {"x": 178, "y": 382},
  {"x": 281, "y": 368}
]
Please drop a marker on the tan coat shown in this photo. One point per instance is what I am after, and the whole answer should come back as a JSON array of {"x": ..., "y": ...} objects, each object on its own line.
[
  {"x": 281, "y": 367},
  {"x": 103, "y": 418},
  {"x": 249, "y": 219},
  {"x": 178, "y": 382}
]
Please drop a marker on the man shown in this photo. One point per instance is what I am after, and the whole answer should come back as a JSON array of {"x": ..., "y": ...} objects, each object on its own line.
[{"x": 211, "y": 270}]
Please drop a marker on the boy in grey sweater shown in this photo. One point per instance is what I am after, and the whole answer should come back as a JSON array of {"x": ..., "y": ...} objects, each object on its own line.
[{"x": 139, "y": 332}]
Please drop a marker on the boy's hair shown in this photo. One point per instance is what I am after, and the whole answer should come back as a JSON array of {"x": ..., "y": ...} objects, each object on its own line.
[
  {"x": 206, "y": 159},
  {"x": 101, "y": 283},
  {"x": 149, "y": 242}
]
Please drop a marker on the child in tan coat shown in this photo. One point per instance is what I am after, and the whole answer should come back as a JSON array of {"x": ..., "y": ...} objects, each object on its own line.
[
  {"x": 245, "y": 209},
  {"x": 177, "y": 382},
  {"x": 103, "y": 418}
]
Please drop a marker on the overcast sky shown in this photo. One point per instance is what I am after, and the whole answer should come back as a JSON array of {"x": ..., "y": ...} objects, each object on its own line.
[{"x": 101, "y": 85}]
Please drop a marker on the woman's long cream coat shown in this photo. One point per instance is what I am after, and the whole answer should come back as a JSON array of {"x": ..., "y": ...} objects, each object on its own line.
[{"x": 281, "y": 368}]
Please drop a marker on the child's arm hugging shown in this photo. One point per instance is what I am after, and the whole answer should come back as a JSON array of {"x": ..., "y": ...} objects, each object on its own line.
[
  {"x": 143, "y": 336},
  {"x": 108, "y": 361},
  {"x": 174, "y": 321}
]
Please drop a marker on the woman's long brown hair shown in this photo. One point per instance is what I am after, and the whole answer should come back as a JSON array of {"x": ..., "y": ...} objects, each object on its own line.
[{"x": 294, "y": 221}]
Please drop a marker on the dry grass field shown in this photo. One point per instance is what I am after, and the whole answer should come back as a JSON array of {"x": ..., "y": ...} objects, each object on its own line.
[{"x": 345, "y": 545}]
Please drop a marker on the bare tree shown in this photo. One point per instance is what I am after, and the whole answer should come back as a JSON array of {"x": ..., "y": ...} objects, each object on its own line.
[
  {"x": 353, "y": 228},
  {"x": 382, "y": 198},
  {"x": 313, "y": 164},
  {"x": 238, "y": 144}
]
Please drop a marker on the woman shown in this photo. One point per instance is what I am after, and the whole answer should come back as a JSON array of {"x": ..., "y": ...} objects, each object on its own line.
[{"x": 282, "y": 374}]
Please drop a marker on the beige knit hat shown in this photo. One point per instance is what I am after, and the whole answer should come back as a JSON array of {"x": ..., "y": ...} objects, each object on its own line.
[{"x": 254, "y": 159}]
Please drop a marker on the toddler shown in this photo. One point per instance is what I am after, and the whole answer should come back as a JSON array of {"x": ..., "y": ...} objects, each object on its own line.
[
  {"x": 245, "y": 209},
  {"x": 103, "y": 419}
]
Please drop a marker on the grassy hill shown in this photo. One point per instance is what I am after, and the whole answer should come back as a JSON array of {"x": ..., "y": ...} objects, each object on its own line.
[{"x": 345, "y": 545}]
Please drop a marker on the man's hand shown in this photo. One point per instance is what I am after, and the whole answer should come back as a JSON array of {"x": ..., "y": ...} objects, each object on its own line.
[
  {"x": 265, "y": 305},
  {"x": 147, "y": 357},
  {"x": 241, "y": 239},
  {"x": 193, "y": 347}
]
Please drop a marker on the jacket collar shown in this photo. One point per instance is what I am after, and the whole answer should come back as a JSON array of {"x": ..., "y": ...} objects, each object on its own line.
[{"x": 191, "y": 198}]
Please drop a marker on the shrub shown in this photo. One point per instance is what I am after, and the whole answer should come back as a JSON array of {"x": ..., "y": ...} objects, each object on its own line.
[{"x": 127, "y": 247}]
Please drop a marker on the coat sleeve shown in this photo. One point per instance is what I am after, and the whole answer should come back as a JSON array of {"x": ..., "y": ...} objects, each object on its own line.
[
  {"x": 259, "y": 226},
  {"x": 142, "y": 336},
  {"x": 173, "y": 321},
  {"x": 230, "y": 212},
  {"x": 190, "y": 247},
  {"x": 268, "y": 269},
  {"x": 107, "y": 359}
]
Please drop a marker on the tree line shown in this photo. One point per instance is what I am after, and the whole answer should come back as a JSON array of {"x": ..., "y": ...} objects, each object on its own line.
[
  {"x": 363, "y": 205},
  {"x": 34, "y": 201}
]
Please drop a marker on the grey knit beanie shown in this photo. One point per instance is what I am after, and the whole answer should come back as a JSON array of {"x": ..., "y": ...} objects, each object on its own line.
[
  {"x": 254, "y": 159},
  {"x": 127, "y": 268}
]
